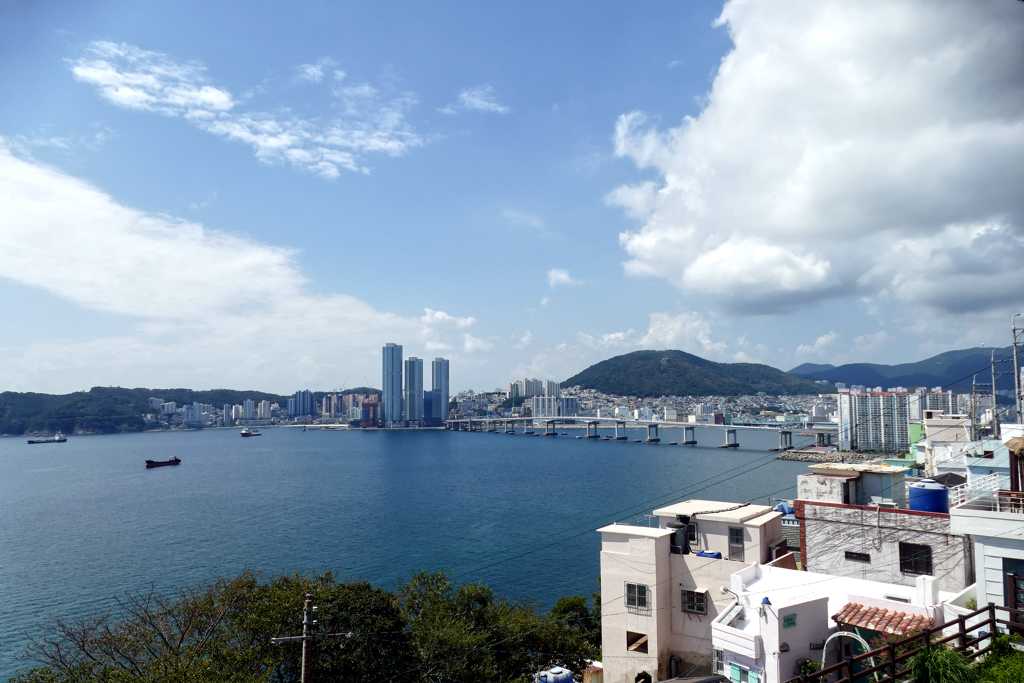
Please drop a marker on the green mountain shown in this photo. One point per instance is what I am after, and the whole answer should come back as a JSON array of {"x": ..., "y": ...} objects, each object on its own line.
[
  {"x": 676, "y": 373},
  {"x": 105, "y": 410},
  {"x": 953, "y": 370}
]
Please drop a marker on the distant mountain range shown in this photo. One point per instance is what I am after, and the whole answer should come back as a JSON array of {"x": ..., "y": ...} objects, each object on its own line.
[
  {"x": 953, "y": 370},
  {"x": 676, "y": 373}
]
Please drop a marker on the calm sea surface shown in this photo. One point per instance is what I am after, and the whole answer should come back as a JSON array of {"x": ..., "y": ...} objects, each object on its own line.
[{"x": 83, "y": 522}]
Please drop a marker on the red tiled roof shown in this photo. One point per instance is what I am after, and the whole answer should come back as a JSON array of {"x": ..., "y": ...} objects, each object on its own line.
[{"x": 881, "y": 619}]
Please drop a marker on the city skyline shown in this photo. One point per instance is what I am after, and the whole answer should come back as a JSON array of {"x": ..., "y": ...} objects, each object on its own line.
[{"x": 763, "y": 181}]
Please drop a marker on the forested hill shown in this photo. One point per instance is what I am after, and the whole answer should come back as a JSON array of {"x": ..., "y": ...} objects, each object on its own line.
[
  {"x": 103, "y": 410},
  {"x": 676, "y": 373},
  {"x": 953, "y": 370}
]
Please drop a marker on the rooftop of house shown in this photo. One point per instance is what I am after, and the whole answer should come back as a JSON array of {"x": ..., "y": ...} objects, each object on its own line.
[
  {"x": 851, "y": 468},
  {"x": 790, "y": 587},
  {"x": 630, "y": 530},
  {"x": 880, "y": 619},
  {"x": 715, "y": 511}
]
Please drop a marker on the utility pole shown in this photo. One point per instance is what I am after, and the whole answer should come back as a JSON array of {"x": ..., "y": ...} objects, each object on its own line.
[
  {"x": 307, "y": 638},
  {"x": 1018, "y": 341}
]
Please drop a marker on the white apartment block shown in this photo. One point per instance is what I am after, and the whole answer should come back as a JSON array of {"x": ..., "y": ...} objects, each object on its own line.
[
  {"x": 876, "y": 421},
  {"x": 660, "y": 586}
]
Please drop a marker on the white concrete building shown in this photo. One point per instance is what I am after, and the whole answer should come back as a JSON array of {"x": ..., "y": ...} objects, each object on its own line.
[
  {"x": 779, "y": 617},
  {"x": 994, "y": 519},
  {"x": 877, "y": 421},
  {"x": 659, "y": 586}
]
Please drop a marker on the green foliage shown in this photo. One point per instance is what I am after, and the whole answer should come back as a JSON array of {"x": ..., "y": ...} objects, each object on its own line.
[
  {"x": 675, "y": 373},
  {"x": 1003, "y": 663},
  {"x": 467, "y": 633},
  {"x": 971, "y": 604},
  {"x": 938, "y": 664},
  {"x": 430, "y": 629}
]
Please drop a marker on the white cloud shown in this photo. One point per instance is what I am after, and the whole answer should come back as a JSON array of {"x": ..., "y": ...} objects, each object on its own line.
[
  {"x": 473, "y": 344},
  {"x": 823, "y": 344},
  {"x": 519, "y": 218},
  {"x": 314, "y": 73},
  {"x": 480, "y": 98},
  {"x": 846, "y": 149},
  {"x": 558, "y": 277},
  {"x": 241, "y": 308},
  {"x": 544, "y": 301},
  {"x": 526, "y": 340},
  {"x": 684, "y": 331},
  {"x": 151, "y": 81}
]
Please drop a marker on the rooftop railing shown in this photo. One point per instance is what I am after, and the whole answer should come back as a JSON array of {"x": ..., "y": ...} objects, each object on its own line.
[{"x": 888, "y": 663}]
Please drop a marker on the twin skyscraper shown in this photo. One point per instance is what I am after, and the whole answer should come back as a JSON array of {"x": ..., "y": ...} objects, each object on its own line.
[{"x": 406, "y": 404}]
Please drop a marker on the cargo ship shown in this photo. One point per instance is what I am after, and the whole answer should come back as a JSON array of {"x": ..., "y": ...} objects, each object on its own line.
[
  {"x": 56, "y": 438},
  {"x": 175, "y": 460}
]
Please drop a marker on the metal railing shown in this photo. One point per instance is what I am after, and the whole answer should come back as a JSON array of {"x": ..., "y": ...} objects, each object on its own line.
[
  {"x": 889, "y": 670},
  {"x": 969, "y": 491}
]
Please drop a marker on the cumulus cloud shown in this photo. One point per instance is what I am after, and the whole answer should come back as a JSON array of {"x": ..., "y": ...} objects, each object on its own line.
[
  {"x": 684, "y": 331},
  {"x": 241, "y": 307},
  {"x": 846, "y": 149},
  {"x": 133, "y": 78},
  {"x": 821, "y": 345},
  {"x": 558, "y": 277},
  {"x": 480, "y": 98}
]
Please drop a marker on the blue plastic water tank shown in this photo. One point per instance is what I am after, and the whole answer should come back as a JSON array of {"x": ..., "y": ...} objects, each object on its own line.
[
  {"x": 928, "y": 495},
  {"x": 556, "y": 674}
]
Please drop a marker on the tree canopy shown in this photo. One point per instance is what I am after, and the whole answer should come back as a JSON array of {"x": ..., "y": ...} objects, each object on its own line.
[{"x": 427, "y": 629}]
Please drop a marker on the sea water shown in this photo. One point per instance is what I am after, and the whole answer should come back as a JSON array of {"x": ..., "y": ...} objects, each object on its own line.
[{"x": 84, "y": 522}]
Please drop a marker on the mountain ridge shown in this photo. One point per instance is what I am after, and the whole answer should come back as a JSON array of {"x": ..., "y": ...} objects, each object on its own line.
[
  {"x": 677, "y": 373},
  {"x": 952, "y": 370}
]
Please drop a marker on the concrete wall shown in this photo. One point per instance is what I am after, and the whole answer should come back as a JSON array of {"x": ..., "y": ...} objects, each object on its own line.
[
  {"x": 996, "y": 535},
  {"x": 830, "y": 530},
  {"x": 635, "y": 558},
  {"x": 813, "y": 623}
]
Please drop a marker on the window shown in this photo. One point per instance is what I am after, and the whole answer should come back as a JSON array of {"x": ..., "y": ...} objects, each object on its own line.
[
  {"x": 897, "y": 598},
  {"x": 717, "y": 661},
  {"x": 736, "y": 543},
  {"x": 636, "y": 642},
  {"x": 915, "y": 559},
  {"x": 694, "y": 602},
  {"x": 691, "y": 531},
  {"x": 636, "y": 596},
  {"x": 858, "y": 557}
]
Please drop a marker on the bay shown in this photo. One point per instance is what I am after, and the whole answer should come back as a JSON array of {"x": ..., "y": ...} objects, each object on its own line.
[{"x": 84, "y": 522}]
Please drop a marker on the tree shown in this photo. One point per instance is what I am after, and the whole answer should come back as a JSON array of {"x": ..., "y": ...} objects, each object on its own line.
[
  {"x": 429, "y": 629},
  {"x": 466, "y": 632}
]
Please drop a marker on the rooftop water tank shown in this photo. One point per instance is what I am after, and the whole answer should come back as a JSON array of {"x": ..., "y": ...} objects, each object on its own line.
[
  {"x": 929, "y": 495},
  {"x": 556, "y": 674}
]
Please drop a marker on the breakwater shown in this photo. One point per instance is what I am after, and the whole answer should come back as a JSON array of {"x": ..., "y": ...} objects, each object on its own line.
[{"x": 826, "y": 456}]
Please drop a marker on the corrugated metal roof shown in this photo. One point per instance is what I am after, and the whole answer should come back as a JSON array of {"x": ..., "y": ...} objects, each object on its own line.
[{"x": 881, "y": 619}]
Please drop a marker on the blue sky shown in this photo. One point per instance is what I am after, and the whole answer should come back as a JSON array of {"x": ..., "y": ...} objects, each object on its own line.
[{"x": 260, "y": 195}]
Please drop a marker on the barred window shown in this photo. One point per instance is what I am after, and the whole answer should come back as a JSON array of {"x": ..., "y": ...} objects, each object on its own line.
[
  {"x": 695, "y": 602},
  {"x": 636, "y": 595},
  {"x": 915, "y": 558}
]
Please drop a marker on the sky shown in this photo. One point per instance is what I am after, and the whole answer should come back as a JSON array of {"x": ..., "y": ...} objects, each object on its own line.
[{"x": 259, "y": 195}]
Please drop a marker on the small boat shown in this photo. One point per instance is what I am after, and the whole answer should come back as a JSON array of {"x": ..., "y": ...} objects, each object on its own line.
[
  {"x": 56, "y": 438},
  {"x": 175, "y": 460},
  {"x": 250, "y": 431}
]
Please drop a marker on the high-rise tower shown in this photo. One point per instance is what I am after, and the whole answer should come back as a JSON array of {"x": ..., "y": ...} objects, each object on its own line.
[
  {"x": 439, "y": 383},
  {"x": 413, "y": 395},
  {"x": 392, "y": 384}
]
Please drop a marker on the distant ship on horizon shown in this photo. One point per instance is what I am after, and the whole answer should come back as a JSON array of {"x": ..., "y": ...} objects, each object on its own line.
[{"x": 56, "y": 438}]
